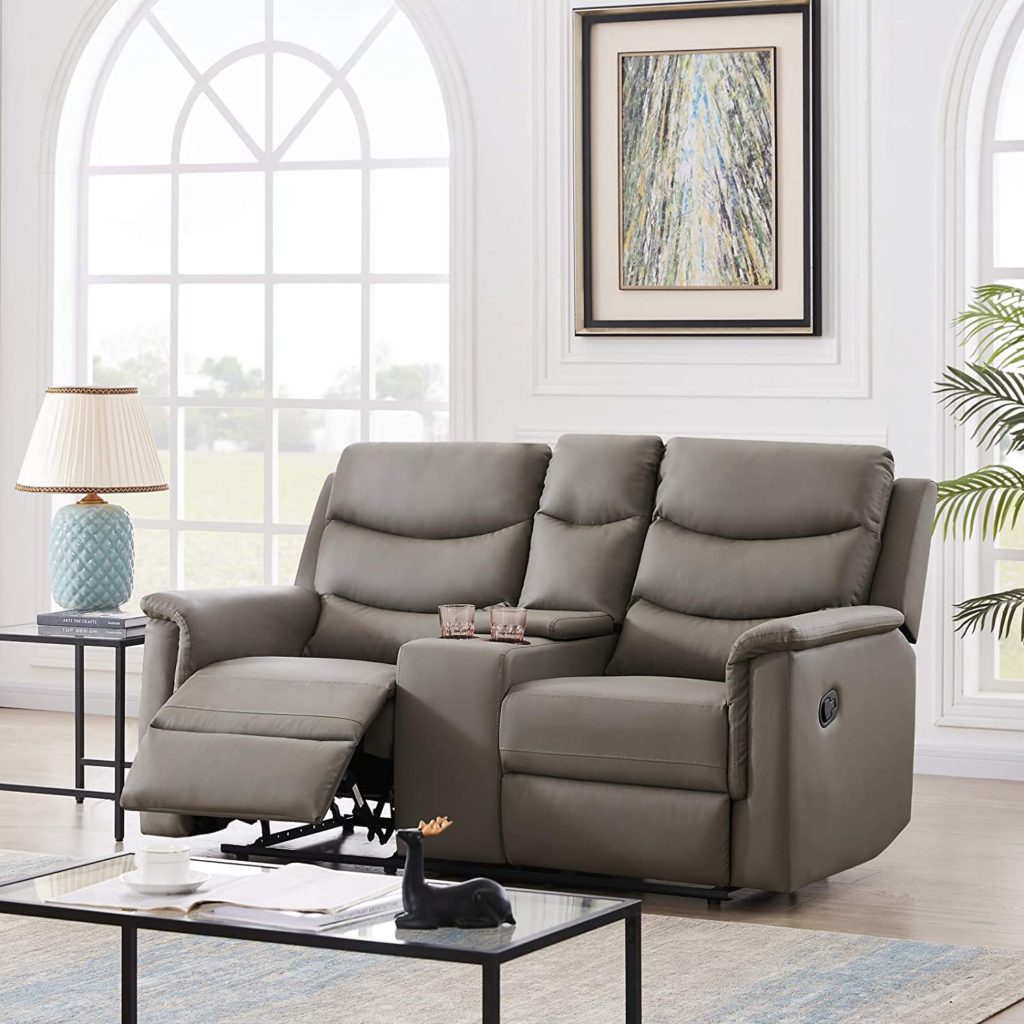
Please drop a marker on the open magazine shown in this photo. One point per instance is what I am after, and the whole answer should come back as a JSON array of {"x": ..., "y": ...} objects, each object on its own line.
[{"x": 299, "y": 896}]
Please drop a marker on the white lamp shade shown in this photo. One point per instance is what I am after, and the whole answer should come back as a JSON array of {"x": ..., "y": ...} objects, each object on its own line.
[{"x": 91, "y": 440}]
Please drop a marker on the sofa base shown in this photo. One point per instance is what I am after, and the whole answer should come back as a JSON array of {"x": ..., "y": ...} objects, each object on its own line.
[
  {"x": 318, "y": 852},
  {"x": 674, "y": 835}
]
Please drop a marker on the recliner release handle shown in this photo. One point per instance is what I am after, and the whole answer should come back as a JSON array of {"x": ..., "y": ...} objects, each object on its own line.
[{"x": 828, "y": 708}]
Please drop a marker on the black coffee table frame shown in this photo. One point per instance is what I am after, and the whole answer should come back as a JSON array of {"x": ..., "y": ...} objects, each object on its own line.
[
  {"x": 491, "y": 961},
  {"x": 29, "y": 634}
]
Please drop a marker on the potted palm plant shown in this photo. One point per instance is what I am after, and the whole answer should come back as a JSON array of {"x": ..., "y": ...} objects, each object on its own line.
[{"x": 987, "y": 396}]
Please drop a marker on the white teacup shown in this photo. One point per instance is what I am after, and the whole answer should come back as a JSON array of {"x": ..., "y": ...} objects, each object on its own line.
[{"x": 164, "y": 862}]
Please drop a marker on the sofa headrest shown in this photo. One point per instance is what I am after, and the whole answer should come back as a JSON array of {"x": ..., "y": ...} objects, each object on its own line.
[
  {"x": 767, "y": 490},
  {"x": 601, "y": 478},
  {"x": 439, "y": 490},
  {"x": 594, "y": 513}
]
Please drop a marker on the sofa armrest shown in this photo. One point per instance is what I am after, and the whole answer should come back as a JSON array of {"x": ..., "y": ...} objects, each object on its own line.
[
  {"x": 822, "y": 798},
  {"x": 243, "y": 622},
  {"x": 447, "y": 707},
  {"x": 792, "y": 633},
  {"x": 189, "y": 629},
  {"x": 814, "y": 629},
  {"x": 568, "y": 625}
]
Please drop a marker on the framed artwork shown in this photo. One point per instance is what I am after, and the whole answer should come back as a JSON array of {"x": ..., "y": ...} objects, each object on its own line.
[{"x": 697, "y": 165}]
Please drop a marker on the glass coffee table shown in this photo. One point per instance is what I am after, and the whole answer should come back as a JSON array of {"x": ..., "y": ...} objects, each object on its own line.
[{"x": 542, "y": 919}]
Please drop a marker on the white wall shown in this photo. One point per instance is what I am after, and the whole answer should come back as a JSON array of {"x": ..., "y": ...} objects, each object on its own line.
[{"x": 887, "y": 67}]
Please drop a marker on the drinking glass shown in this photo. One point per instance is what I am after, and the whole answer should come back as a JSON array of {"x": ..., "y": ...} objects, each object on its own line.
[
  {"x": 458, "y": 621},
  {"x": 508, "y": 624}
]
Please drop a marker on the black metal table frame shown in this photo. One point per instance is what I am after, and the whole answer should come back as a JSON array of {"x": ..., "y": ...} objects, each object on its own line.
[
  {"x": 118, "y": 763},
  {"x": 490, "y": 961}
]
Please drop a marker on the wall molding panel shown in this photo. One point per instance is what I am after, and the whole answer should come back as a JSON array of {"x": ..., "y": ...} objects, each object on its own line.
[{"x": 837, "y": 365}]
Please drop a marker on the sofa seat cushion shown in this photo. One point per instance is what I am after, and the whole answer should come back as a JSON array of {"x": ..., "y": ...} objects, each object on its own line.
[
  {"x": 637, "y": 730},
  {"x": 297, "y": 698},
  {"x": 254, "y": 738}
]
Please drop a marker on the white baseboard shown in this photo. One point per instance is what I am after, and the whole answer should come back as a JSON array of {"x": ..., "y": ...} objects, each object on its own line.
[
  {"x": 99, "y": 699},
  {"x": 969, "y": 762}
]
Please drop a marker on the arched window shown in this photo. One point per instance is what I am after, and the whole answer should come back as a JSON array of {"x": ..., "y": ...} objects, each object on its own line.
[
  {"x": 1000, "y": 258},
  {"x": 263, "y": 248}
]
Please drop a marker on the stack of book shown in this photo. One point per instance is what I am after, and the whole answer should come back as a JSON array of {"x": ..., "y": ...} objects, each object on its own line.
[{"x": 113, "y": 624}]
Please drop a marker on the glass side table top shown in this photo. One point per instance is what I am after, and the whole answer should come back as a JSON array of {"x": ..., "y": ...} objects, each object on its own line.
[{"x": 542, "y": 918}]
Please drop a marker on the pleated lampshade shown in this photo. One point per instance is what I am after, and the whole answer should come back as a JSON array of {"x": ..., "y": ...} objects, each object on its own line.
[{"x": 91, "y": 440}]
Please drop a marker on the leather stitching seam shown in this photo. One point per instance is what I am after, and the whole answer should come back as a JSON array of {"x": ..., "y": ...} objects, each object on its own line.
[
  {"x": 621, "y": 700},
  {"x": 273, "y": 714},
  {"x": 604, "y": 522},
  {"x": 610, "y": 757}
]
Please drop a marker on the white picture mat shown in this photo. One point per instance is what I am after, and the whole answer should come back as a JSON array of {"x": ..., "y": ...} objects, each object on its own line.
[{"x": 609, "y": 39}]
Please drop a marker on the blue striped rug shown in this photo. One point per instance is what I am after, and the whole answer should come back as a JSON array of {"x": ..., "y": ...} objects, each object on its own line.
[{"x": 698, "y": 972}]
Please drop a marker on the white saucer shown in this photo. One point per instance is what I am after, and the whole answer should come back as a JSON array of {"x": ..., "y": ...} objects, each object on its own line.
[{"x": 133, "y": 879}]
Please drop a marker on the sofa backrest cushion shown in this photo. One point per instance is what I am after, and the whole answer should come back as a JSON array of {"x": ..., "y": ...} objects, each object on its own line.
[
  {"x": 305, "y": 574},
  {"x": 746, "y": 531},
  {"x": 594, "y": 513},
  {"x": 412, "y": 526}
]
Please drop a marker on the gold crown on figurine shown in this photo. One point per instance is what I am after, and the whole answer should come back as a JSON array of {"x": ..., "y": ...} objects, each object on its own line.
[{"x": 434, "y": 827}]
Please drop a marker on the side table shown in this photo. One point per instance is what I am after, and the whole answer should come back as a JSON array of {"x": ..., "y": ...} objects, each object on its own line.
[{"x": 30, "y": 634}]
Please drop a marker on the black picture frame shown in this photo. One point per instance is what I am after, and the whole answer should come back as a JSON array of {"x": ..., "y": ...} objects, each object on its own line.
[{"x": 810, "y": 323}]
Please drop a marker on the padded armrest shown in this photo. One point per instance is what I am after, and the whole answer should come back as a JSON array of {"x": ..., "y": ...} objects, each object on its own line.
[
  {"x": 447, "y": 706},
  {"x": 215, "y": 625},
  {"x": 814, "y": 629},
  {"x": 555, "y": 625},
  {"x": 568, "y": 625},
  {"x": 793, "y": 633}
]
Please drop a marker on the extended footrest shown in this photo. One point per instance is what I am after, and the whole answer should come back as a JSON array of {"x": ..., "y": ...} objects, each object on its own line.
[{"x": 258, "y": 739}]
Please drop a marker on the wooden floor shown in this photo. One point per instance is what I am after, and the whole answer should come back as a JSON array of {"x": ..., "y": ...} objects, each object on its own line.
[{"x": 955, "y": 875}]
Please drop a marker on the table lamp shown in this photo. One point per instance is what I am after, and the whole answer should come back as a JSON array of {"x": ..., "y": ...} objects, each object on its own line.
[{"x": 91, "y": 441}]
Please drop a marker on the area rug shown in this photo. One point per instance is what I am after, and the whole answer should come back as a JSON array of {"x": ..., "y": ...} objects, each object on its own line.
[{"x": 697, "y": 972}]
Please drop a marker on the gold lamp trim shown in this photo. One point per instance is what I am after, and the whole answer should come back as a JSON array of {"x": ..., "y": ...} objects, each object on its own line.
[
  {"x": 82, "y": 389},
  {"x": 93, "y": 490}
]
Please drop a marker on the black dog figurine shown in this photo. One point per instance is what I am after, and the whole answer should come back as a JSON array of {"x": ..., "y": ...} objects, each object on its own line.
[{"x": 478, "y": 903}]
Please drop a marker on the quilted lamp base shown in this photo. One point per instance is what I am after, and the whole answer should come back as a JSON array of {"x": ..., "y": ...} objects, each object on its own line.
[{"x": 92, "y": 556}]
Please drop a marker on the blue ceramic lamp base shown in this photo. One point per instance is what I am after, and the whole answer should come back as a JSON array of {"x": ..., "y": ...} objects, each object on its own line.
[{"x": 92, "y": 555}]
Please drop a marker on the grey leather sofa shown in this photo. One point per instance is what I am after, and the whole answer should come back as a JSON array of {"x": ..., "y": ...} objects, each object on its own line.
[{"x": 718, "y": 689}]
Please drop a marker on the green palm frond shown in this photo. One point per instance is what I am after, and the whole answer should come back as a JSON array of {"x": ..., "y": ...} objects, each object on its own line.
[
  {"x": 995, "y": 495},
  {"x": 995, "y": 612},
  {"x": 994, "y": 324},
  {"x": 994, "y": 397}
]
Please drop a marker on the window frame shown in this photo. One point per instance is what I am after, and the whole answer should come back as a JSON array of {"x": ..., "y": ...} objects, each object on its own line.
[
  {"x": 268, "y": 528},
  {"x": 989, "y": 553}
]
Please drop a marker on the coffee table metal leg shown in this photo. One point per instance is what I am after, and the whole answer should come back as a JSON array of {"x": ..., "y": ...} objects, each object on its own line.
[
  {"x": 634, "y": 982},
  {"x": 492, "y": 994},
  {"x": 118, "y": 743},
  {"x": 129, "y": 974},
  {"x": 79, "y": 719}
]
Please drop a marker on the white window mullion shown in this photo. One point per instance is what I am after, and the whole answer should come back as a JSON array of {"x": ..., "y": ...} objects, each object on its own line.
[
  {"x": 275, "y": 278},
  {"x": 365, "y": 298},
  {"x": 270, "y": 464},
  {"x": 380, "y": 163},
  {"x": 991, "y": 220}
]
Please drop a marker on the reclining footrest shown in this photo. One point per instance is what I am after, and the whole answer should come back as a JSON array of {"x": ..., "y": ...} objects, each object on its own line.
[{"x": 258, "y": 738}]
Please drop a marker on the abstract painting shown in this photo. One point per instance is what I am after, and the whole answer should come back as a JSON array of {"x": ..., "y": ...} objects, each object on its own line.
[
  {"x": 698, "y": 169},
  {"x": 696, "y": 206}
]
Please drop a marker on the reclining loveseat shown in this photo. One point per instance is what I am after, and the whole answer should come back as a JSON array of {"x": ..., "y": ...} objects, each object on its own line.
[{"x": 717, "y": 689}]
